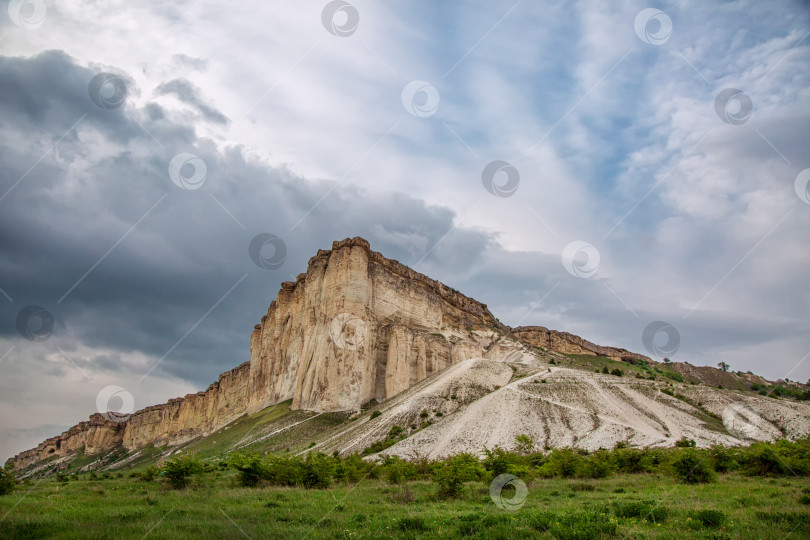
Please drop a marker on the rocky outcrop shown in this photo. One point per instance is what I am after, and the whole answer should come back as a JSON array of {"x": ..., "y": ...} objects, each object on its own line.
[
  {"x": 94, "y": 436},
  {"x": 355, "y": 327},
  {"x": 565, "y": 343}
]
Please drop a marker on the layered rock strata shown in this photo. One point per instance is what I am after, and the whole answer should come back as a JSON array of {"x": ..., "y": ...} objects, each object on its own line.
[{"x": 355, "y": 327}]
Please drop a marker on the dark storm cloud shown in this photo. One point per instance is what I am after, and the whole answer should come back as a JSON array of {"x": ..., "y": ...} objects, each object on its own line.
[
  {"x": 107, "y": 172},
  {"x": 190, "y": 95}
]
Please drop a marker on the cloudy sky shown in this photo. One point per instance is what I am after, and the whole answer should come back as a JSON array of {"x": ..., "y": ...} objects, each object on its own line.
[{"x": 600, "y": 170}]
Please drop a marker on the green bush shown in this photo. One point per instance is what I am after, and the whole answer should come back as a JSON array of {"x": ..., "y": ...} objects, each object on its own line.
[
  {"x": 352, "y": 469},
  {"x": 149, "y": 473},
  {"x": 251, "y": 468},
  {"x": 597, "y": 465},
  {"x": 454, "y": 471},
  {"x": 398, "y": 470},
  {"x": 649, "y": 510},
  {"x": 722, "y": 459},
  {"x": 318, "y": 471},
  {"x": 375, "y": 414},
  {"x": 578, "y": 525},
  {"x": 709, "y": 518},
  {"x": 693, "y": 468},
  {"x": 563, "y": 462},
  {"x": 177, "y": 470},
  {"x": 632, "y": 460},
  {"x": 617, "y": 372},
  {"x": 7, "y": 481},
  {"x": 499, "y": 461},
  {"x": 683, "y": 442}
]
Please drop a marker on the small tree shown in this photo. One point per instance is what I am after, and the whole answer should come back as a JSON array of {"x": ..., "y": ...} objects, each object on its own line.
[
  {"x": 7, "y": 480},
  {"x": 178, "y": 469},
  {"x": 251, "y": 468},
  {"x": 723, "y": 366}
]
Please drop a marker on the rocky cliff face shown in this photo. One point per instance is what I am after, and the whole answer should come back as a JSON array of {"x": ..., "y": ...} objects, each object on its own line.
[
  {"x": 566, "y": 343},
  {"x": 355, "y": 327}
]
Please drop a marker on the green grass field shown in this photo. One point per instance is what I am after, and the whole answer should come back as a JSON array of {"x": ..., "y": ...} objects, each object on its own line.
[{"x": 622, "y": 506}]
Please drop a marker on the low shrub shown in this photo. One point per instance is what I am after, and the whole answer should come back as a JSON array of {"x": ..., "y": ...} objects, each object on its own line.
[
  {"x": 251, "y": 467},
  {"x": 454, "y": 471},
  {"x": 709, "y": 518},
  {"x": 574, "y": 525},
  {"x": 375, "y": 414},
  {"x": 178, "y": 470},
  {"x": 693, "y": 468},
  {"x": 649, "y": 510}
]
